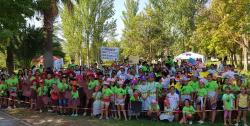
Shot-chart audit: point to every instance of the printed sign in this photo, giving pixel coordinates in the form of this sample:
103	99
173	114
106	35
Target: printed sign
109	53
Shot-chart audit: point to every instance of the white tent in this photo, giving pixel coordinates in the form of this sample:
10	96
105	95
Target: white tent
189	55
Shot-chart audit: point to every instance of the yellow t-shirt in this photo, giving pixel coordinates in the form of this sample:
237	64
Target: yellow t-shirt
243	101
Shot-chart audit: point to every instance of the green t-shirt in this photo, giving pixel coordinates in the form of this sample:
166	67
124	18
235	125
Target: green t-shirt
107	92
235	88
154	107
42	91
188	110
211	86
186	90
194	84
120	91
3	88
228	101
202	92
62	87
75	95
92	84
113	88
49	82
72	66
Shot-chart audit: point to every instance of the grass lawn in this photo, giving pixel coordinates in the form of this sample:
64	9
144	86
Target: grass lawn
50	119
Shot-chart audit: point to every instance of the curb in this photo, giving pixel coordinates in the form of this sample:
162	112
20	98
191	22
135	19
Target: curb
17	119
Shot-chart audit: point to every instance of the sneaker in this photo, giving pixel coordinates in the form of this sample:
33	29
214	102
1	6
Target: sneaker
236	124
84	114
107	118
40	111
72	114
100	117
76	115
245	124
190	122
9	107
200	122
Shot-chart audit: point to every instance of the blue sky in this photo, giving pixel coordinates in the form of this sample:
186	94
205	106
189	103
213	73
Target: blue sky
119	7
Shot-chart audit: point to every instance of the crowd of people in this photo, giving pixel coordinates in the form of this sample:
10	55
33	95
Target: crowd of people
183	92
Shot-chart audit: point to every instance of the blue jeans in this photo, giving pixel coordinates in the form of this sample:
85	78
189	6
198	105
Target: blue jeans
62	102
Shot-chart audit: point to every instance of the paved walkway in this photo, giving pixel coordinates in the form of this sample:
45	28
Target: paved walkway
7	120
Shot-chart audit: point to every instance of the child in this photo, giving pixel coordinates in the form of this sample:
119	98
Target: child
3	94
187	112
168	112
106	94
97	101
93	82
242	105
54	97
113	88
63	102
75	100
120	100
227	99
201	101
12	85
135	104
153	110
42	97
143	89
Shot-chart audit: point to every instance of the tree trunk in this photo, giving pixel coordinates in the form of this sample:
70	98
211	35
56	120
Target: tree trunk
235	60
49	17
241	59
245	53
10	60
231	58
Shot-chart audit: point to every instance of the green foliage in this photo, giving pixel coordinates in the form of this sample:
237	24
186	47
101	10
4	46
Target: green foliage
86	28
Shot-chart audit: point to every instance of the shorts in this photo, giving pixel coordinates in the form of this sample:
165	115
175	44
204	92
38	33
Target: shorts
105	103
119	102
62	102
243	109
213	106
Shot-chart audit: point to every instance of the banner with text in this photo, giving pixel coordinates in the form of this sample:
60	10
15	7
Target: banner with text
109	53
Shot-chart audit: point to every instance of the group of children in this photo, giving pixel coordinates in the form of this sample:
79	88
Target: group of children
123	94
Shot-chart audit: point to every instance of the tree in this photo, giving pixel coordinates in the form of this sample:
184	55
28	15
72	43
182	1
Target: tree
49	9
223	30
130	37
89	25
28	45
12	19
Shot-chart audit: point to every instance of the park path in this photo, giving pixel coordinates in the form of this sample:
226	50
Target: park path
8	120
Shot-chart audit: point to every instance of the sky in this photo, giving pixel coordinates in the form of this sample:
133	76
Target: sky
118	7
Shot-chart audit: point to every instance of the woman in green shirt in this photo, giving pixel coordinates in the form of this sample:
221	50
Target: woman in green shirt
106	94
201	101
212	90
120	99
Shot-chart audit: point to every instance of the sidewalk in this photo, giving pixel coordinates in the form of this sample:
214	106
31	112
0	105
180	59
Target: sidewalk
8	120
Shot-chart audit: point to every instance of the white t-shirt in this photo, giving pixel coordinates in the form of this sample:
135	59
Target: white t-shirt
173	100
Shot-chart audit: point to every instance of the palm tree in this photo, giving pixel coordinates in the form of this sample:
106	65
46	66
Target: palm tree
49	9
